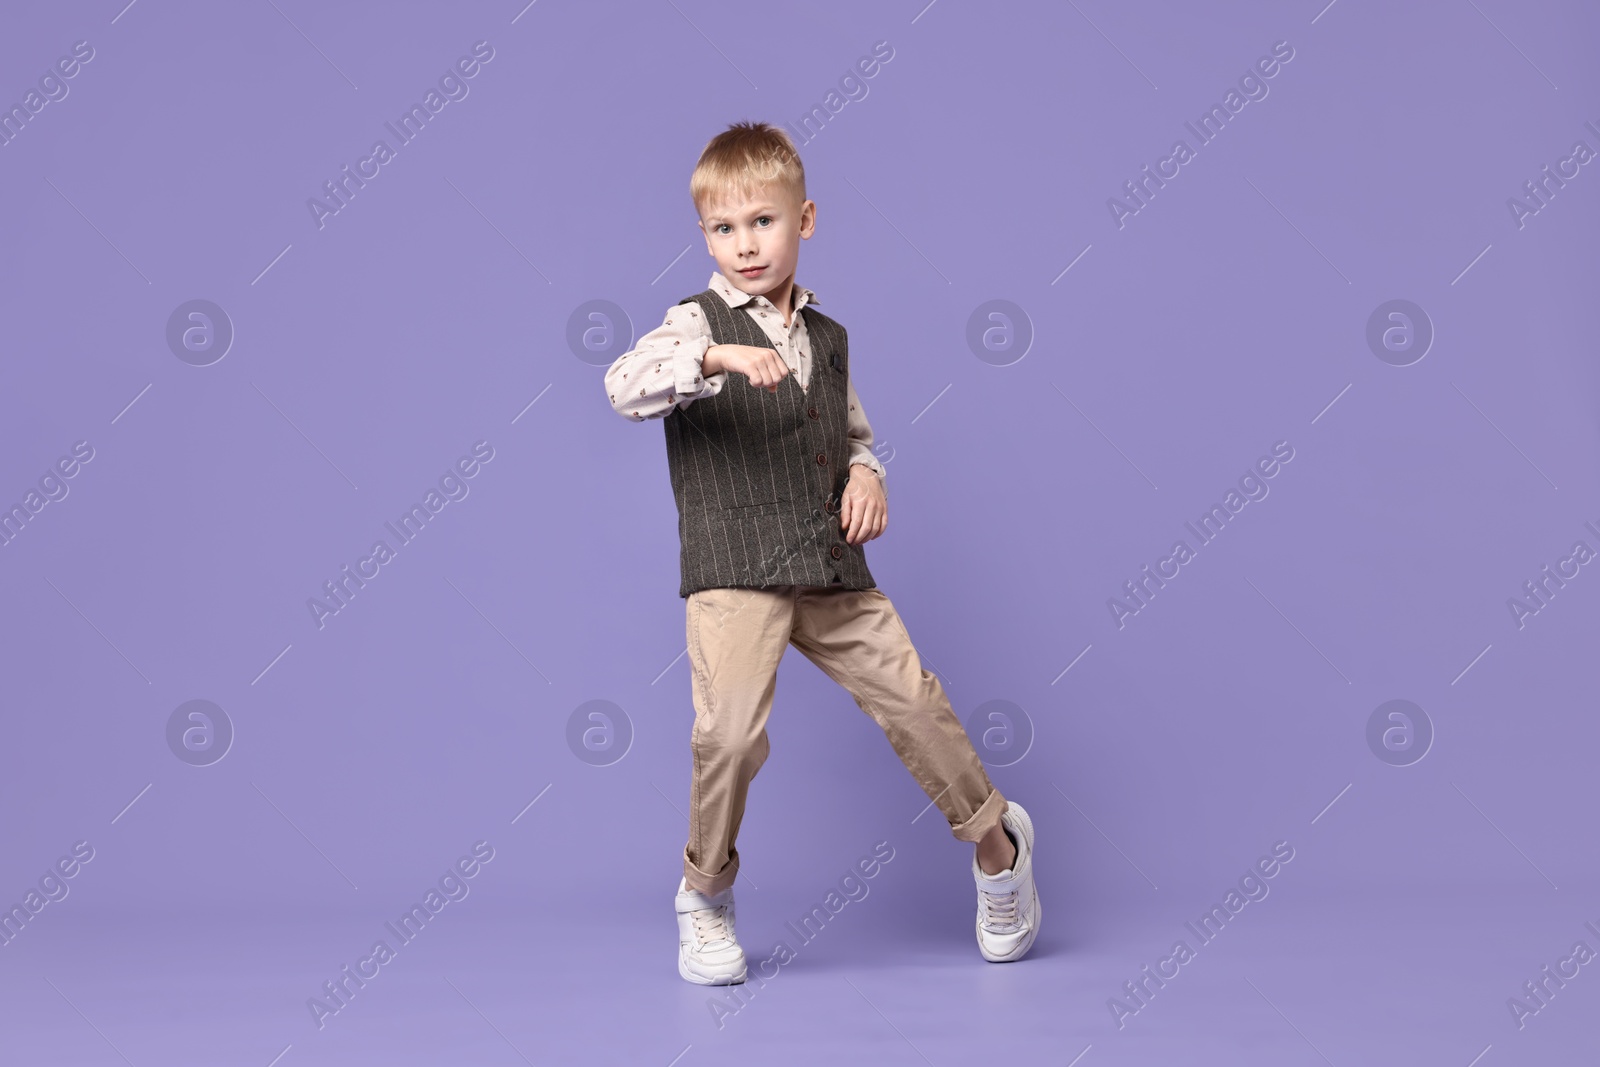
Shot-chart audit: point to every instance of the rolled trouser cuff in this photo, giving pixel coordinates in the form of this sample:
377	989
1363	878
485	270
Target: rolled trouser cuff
708	882
983	820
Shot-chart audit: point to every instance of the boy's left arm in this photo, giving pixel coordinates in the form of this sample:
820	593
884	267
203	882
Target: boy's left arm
864	512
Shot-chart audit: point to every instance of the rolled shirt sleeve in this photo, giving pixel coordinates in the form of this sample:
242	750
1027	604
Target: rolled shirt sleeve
663	372
860	432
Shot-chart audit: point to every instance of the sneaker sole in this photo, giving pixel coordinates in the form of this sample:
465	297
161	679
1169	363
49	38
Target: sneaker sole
700	979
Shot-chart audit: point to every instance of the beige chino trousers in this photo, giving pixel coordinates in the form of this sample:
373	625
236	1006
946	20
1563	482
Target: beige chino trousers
737	636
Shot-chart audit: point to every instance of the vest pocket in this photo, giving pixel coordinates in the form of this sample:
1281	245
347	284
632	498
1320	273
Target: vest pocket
748	511
764	540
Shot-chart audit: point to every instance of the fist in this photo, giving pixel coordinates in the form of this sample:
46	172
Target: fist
763	366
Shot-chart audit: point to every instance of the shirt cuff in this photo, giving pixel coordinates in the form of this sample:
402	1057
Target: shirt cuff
861	454
687	377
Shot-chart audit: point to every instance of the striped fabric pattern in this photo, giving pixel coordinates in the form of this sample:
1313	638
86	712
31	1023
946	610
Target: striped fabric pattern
758	476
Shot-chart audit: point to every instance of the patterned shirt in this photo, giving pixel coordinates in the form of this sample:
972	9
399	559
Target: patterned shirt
662	372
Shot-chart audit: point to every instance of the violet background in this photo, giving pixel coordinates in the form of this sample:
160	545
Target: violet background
434	311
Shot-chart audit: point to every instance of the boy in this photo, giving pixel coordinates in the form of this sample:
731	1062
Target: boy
777	489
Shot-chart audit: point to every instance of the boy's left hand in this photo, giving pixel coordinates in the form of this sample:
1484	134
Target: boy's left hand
864	511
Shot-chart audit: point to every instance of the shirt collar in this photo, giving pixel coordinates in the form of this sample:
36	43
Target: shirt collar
738	298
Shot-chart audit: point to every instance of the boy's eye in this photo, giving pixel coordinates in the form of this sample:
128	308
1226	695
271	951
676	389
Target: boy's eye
721	226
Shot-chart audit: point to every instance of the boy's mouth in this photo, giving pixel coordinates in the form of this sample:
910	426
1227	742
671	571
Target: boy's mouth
752	272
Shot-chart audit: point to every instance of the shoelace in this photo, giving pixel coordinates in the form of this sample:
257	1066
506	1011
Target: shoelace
999	909
711	924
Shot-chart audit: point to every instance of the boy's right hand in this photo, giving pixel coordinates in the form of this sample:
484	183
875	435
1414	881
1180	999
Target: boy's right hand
763	366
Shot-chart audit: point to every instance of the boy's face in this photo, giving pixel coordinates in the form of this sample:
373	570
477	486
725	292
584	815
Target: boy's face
763	231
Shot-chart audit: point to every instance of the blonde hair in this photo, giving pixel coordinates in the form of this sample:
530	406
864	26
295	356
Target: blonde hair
741	159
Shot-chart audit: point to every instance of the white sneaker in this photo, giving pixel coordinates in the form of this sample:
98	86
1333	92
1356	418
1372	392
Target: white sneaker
1008	903
708	951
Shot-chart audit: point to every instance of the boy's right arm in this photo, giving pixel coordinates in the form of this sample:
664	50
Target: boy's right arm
664	370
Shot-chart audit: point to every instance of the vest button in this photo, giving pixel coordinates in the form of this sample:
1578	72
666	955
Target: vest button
836	552
813	413
821	459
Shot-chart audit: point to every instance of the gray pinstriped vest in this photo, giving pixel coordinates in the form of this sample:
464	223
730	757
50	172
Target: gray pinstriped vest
758	476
